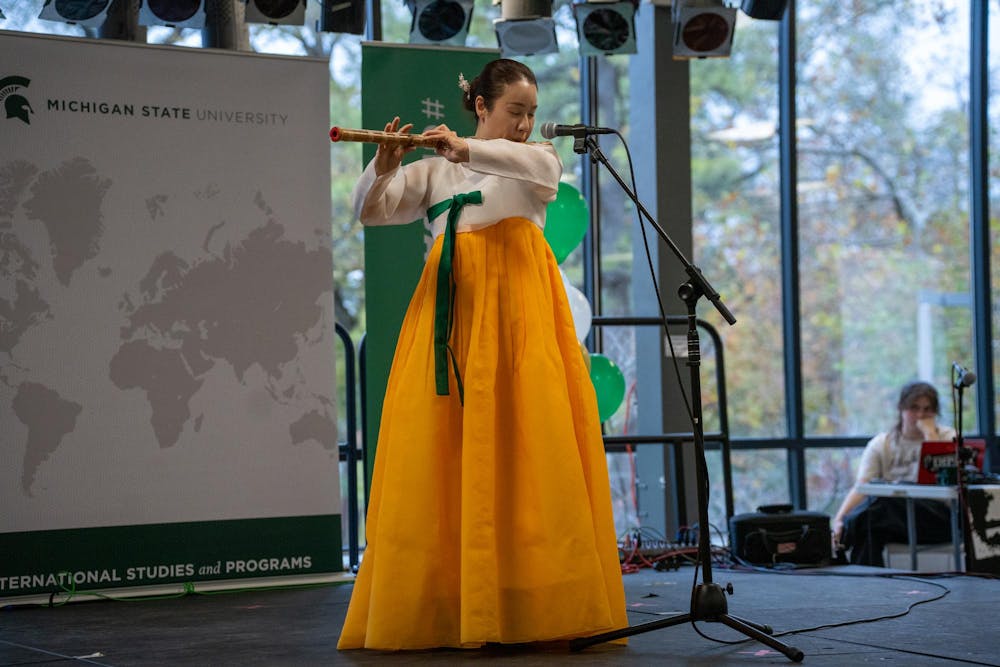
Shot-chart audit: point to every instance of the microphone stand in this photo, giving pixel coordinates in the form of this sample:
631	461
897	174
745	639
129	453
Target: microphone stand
963	456
708	599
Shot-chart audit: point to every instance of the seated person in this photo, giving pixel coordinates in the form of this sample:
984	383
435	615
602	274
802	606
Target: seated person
864	524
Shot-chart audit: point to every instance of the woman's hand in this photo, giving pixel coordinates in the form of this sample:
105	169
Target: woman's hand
837	532
450	146
928	427
388	157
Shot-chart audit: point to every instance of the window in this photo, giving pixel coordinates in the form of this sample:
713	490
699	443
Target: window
993	181
737	245
883	206
737	242
883	168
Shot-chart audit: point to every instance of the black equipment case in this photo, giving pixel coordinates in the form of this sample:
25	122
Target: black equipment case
779	534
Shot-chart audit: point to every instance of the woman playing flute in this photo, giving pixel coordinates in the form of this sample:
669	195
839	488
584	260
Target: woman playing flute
490	515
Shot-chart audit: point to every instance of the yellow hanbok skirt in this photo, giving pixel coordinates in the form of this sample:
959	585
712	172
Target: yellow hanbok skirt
489	521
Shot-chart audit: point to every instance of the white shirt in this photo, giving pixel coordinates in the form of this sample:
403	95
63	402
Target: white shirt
516	180
894	458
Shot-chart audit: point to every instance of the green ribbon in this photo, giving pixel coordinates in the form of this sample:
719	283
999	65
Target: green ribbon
444	304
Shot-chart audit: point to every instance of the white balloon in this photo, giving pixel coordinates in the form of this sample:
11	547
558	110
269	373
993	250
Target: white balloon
579	306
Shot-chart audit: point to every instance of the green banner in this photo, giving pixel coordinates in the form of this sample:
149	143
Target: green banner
81	559
420	85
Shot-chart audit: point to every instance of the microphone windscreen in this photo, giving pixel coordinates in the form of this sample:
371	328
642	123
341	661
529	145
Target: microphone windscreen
969	379
548	130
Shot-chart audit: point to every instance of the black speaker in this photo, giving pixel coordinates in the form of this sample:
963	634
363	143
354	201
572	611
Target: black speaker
779	534
771	10
346	16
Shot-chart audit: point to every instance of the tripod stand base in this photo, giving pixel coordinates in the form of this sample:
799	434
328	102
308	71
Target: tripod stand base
707	604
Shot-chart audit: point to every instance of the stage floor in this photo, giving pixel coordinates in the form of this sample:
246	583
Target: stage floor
836	616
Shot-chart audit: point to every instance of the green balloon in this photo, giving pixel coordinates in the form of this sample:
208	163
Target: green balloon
609	383
566	221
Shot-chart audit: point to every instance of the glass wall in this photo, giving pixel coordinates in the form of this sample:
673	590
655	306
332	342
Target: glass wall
993	182
882	104
611	239
883	201
830	474
737	245
883	205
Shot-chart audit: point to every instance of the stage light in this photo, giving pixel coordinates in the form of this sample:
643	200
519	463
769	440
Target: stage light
274	12
526	28
440	21
86	13
605	26
173	13
703	29
769	10
347	16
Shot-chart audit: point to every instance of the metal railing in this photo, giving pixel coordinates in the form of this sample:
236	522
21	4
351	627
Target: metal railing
352	453
348	450
720	438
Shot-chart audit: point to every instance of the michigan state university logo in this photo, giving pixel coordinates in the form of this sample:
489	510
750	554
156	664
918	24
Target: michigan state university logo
14	103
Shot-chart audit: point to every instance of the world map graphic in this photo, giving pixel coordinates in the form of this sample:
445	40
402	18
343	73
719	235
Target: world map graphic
244	307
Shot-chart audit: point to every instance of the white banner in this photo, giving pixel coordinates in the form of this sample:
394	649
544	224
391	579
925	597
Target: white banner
166	303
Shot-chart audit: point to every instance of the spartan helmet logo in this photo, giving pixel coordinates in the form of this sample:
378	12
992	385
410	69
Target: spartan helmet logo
15	104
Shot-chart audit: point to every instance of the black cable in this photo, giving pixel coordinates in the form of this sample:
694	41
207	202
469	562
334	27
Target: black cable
873	619
83	659
666	330
912	652
656	287
659	301
945	592
834	625
722	538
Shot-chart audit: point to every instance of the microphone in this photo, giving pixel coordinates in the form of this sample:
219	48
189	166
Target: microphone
550	130
963	378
